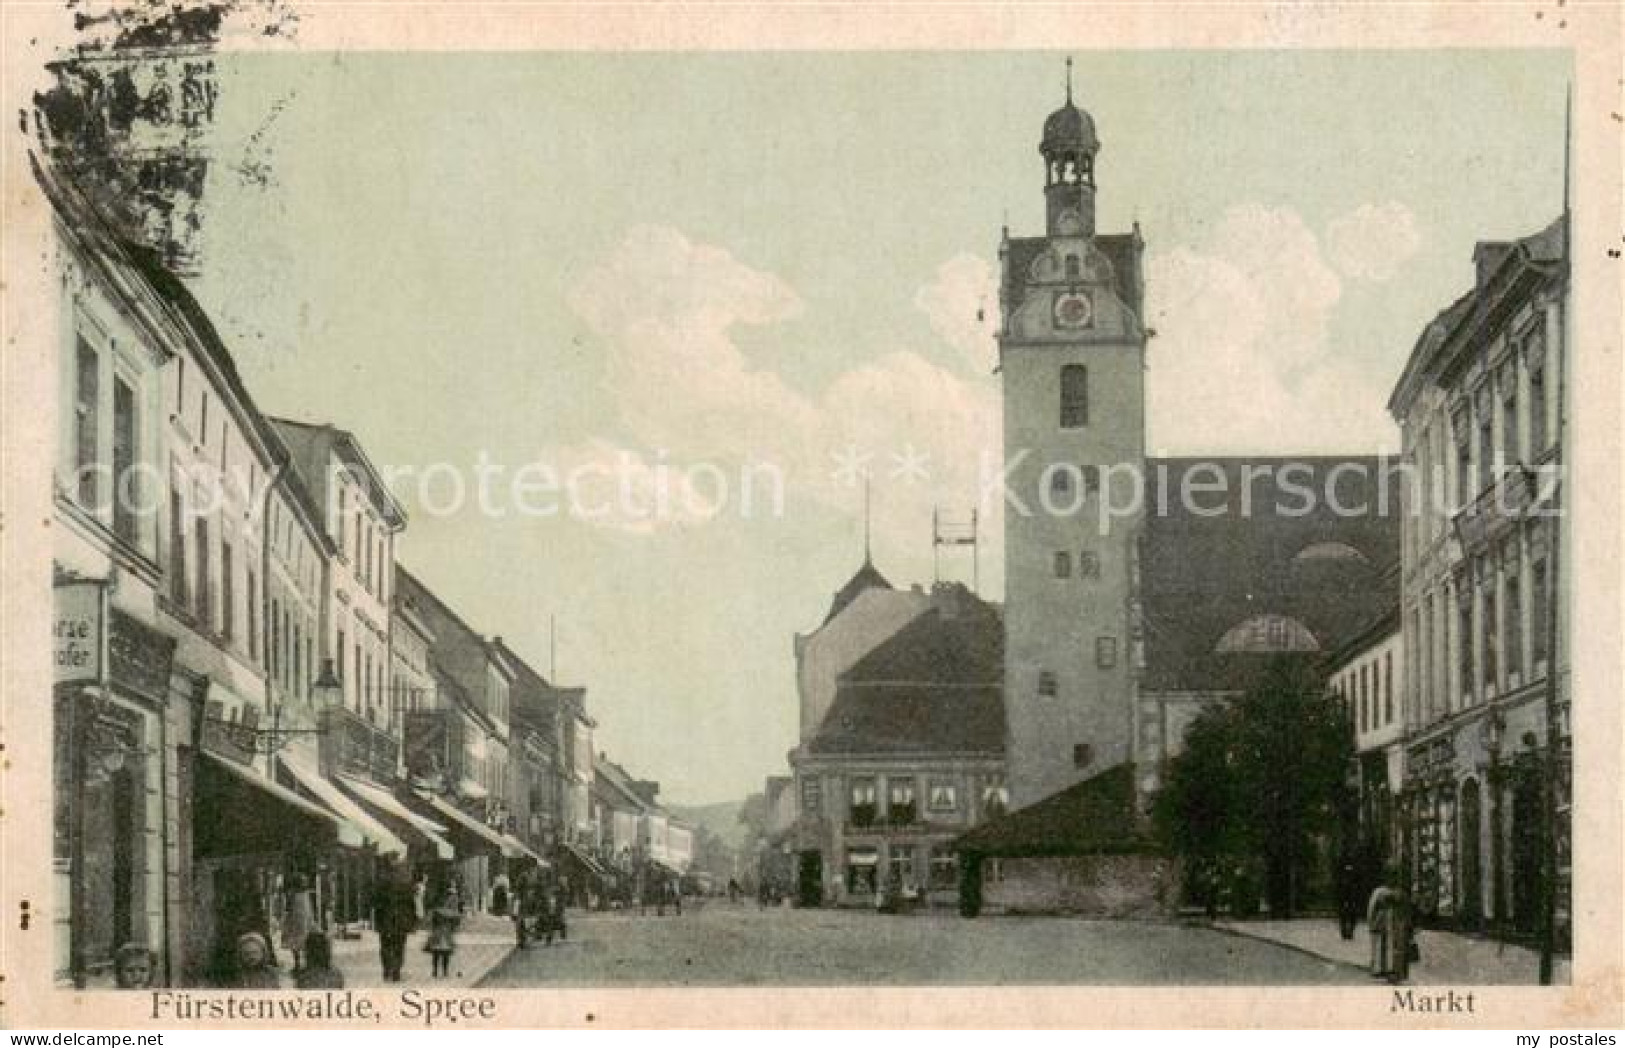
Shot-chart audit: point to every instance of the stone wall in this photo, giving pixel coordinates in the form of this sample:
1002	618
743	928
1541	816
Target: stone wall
1092	885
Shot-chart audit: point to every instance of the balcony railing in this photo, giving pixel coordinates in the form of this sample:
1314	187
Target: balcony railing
1508	499
434	744
357	747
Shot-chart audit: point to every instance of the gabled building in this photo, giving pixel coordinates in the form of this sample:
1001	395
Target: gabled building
864	612
909	755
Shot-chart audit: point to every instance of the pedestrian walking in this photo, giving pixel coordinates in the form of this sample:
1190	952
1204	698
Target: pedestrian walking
442	940
501	890
253	970
556	924
420	897
318	972
1378	916
298	917
394	917
1350	896
1401	935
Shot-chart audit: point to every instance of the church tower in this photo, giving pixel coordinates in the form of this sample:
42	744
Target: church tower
1072	362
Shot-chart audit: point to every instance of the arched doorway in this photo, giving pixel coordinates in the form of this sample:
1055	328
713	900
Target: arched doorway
1472	865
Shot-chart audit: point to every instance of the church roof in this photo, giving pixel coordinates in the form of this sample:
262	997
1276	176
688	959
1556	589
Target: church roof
866	577
935	687
1225	593
1092	817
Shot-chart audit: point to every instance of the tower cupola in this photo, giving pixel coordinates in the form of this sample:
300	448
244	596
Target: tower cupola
1068	147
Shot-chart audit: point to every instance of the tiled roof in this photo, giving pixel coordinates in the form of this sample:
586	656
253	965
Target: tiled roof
865	578
934	688
1092	817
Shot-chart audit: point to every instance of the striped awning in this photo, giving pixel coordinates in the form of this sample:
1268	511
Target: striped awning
309	778
382	800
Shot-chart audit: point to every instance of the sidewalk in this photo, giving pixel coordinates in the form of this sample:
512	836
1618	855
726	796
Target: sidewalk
1447	958
482	943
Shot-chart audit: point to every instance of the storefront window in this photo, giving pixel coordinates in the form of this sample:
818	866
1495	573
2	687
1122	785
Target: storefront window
861	864
944	868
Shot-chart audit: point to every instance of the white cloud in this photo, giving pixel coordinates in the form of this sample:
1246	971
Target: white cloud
1373	241
961	303
1242	361
665	309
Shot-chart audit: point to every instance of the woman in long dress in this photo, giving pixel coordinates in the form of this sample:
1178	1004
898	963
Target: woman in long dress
1400	934
1377	913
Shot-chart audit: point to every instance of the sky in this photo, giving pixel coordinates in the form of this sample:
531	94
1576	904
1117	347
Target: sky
702	270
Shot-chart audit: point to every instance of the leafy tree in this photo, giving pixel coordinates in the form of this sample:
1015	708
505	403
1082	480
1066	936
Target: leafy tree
1262	780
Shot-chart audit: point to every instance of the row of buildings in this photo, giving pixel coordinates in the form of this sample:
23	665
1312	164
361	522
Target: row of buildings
1460	689
1009	753
249	686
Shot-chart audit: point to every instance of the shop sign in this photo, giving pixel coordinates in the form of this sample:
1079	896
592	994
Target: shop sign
76	633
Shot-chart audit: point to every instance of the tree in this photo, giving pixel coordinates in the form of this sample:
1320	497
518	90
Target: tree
1262	780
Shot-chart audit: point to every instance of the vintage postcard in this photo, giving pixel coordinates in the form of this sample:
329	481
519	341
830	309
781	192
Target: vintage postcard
797	515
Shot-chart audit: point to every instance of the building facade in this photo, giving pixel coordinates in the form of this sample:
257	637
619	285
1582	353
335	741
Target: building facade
1480	407
361	519
908	756
1368	674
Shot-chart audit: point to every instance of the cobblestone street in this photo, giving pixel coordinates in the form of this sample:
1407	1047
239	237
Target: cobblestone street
723	944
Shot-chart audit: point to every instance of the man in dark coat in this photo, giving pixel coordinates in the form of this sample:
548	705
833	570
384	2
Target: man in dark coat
1351	896
394	917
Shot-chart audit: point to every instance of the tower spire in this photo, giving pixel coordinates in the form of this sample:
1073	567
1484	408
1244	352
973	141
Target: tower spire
867	558
1068	79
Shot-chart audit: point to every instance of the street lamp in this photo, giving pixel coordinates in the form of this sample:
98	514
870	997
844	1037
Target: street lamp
327	691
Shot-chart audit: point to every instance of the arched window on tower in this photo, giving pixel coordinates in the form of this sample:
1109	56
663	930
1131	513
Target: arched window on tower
1074	268
1074	396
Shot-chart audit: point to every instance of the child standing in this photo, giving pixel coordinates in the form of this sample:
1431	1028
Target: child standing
443	922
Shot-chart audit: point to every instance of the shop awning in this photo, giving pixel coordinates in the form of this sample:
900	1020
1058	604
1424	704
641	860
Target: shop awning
473	832
370	831
522	850
592	866
239	812
429	832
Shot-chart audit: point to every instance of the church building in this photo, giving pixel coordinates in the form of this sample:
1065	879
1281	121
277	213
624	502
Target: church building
1138	590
